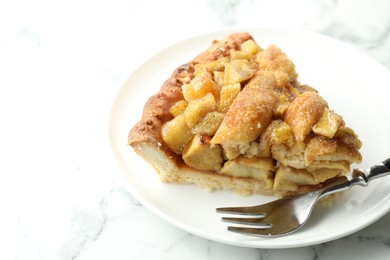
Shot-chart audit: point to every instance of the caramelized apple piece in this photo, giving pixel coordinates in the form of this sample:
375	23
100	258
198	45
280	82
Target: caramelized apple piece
250	46
176	133
198	108
208	124
199	87
328	124
238	71
178	108
289	179
228	94
258	168
200	155
282	134
218	77
283	104
217	65
241	54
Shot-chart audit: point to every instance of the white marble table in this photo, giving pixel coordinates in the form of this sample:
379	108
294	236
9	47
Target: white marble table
61	64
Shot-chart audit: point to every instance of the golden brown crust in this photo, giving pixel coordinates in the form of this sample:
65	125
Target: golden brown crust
221	48
325	149
270	96
304	112
273	59
247	117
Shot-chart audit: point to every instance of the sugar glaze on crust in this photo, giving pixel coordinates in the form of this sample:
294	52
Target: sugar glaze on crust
260	97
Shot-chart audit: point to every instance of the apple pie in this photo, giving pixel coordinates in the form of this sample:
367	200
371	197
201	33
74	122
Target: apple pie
237	118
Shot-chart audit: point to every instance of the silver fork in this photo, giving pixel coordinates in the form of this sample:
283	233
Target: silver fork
287	215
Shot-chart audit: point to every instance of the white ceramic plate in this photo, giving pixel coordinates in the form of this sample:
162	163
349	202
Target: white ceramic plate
354	85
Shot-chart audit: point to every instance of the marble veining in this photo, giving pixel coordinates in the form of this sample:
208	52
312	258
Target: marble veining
61	65
225	10
88	226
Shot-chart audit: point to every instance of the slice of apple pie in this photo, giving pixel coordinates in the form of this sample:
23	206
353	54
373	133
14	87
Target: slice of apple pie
237	118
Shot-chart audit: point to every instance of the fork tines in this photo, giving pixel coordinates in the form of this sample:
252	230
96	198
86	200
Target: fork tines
254	210
257	232
254	217
247	221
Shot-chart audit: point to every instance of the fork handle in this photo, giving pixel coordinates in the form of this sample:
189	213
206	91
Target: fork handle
387	163
360	177
378	171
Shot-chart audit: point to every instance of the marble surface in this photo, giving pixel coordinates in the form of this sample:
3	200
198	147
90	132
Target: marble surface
61	65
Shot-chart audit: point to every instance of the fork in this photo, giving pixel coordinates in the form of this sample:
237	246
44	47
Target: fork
284	216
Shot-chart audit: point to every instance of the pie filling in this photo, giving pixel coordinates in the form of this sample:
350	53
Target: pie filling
246	115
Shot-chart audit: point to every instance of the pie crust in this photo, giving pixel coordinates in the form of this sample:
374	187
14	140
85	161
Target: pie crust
265	134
